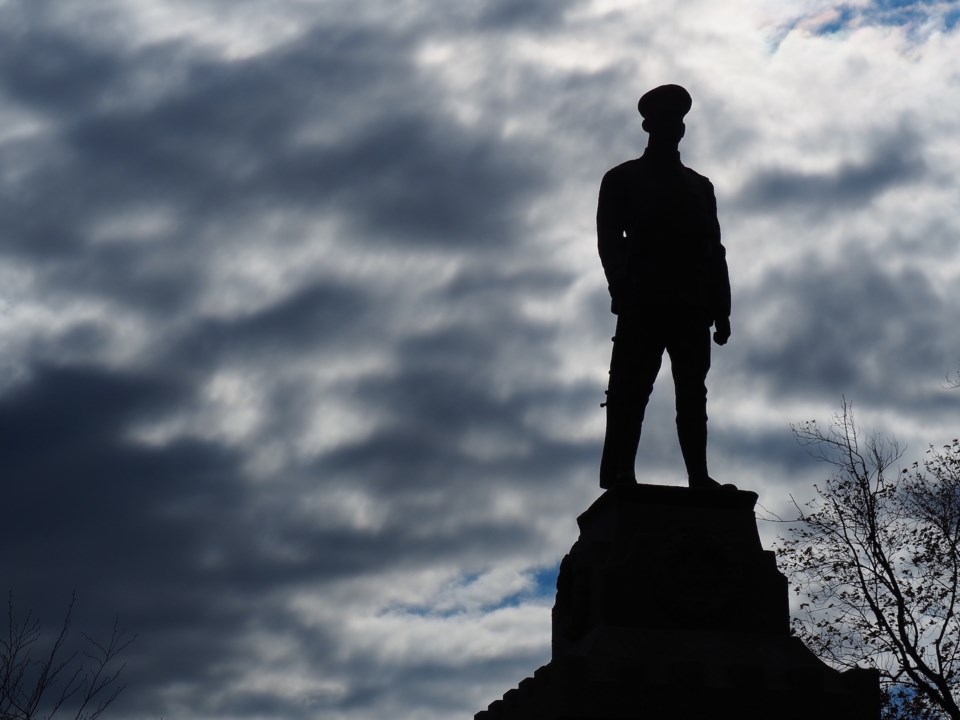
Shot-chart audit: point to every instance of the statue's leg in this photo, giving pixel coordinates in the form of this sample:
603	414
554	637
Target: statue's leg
635	362
689	349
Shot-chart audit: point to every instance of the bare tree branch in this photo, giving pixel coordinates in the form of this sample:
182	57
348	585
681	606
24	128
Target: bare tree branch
39	685
875	558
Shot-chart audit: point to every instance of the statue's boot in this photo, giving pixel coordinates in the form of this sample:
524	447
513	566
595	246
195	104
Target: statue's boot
620	442
693	447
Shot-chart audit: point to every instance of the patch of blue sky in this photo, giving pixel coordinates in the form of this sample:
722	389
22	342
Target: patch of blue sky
838	24
546	580
900	13
542	588
423	611
917	17
894	4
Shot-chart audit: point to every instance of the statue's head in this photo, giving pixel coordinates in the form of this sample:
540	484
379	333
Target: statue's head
663	109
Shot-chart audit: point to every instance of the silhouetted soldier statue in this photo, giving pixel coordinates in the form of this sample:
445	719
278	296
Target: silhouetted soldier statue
659	242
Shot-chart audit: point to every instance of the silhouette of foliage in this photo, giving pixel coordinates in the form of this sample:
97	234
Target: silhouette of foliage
875	558
39	683
904	702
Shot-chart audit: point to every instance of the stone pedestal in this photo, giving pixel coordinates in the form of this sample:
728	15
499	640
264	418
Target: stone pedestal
668	607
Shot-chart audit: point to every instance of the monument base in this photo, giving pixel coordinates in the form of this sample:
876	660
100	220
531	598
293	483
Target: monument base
668	607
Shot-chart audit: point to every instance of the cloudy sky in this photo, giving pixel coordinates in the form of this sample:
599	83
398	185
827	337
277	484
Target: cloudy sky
303	334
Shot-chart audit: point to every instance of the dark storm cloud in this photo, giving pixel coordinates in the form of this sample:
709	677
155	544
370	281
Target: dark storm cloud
221	139
113	521
182	547
322	315
442	391
445	420
381	460
434	685
65	429
65	77
150	280
535	15
773	449
422	180
892	162
849	328
235	139
74	409
228	141
502	285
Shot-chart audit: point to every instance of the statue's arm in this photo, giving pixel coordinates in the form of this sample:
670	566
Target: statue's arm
610	240
720	277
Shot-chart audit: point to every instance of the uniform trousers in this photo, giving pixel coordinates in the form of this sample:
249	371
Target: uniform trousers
638	347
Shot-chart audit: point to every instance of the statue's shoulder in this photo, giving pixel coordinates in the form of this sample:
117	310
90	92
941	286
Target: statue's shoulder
697	179
623	172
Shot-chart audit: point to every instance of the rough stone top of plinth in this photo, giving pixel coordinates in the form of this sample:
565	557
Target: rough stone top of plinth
672	496
671	506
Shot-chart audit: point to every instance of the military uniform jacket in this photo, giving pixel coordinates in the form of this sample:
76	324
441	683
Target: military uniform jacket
659	239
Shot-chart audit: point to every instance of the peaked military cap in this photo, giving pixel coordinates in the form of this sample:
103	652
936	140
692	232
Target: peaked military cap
667	102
